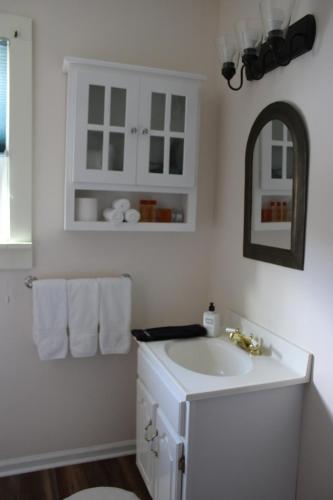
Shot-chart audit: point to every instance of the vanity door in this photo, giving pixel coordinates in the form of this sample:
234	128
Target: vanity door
168	130
106	126
145	434
168	449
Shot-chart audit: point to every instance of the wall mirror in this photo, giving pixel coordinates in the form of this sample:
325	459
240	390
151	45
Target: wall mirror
276	177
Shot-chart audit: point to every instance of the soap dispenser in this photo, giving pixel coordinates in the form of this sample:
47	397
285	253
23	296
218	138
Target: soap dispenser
211	321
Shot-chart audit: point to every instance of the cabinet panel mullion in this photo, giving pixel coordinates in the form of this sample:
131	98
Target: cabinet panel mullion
167	135
119	130
105	128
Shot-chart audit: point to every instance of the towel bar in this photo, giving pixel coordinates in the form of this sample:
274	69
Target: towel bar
28	280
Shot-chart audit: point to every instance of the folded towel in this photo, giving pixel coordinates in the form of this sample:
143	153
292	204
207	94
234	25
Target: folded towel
113	215
50	318
114	315
132	216
83	306
169	332
122	204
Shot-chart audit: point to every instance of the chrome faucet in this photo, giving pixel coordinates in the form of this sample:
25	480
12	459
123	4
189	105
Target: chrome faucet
249	343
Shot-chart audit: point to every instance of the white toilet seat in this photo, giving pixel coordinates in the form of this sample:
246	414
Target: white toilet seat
103	493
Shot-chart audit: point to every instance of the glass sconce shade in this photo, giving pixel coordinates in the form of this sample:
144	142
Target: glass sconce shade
276	15
227	47
250	34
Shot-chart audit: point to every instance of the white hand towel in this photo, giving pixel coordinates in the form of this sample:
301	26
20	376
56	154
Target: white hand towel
113	215
50	318
132	216
83	306
122	204
115	315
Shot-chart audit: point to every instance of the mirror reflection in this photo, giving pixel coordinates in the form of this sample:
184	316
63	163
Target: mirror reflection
272	186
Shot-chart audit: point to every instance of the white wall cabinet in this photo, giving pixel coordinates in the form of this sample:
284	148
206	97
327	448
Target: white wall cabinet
130	129
272	177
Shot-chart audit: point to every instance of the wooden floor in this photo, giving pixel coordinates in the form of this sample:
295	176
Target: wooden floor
57	484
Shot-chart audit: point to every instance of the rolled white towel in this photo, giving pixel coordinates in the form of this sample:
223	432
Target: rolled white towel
122	204
113	215
132	216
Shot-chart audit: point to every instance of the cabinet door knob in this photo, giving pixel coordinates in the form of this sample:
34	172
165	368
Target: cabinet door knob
145	131
151	438
148	425
134	130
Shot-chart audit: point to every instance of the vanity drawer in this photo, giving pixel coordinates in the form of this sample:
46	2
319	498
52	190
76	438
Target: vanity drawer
171	405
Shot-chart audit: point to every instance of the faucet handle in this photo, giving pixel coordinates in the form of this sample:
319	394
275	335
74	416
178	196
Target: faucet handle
256	344
234	335
231	330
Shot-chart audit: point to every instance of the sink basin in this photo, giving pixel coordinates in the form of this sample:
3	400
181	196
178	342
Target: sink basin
209	356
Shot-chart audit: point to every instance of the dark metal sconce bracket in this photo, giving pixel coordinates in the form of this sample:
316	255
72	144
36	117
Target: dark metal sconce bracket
299	40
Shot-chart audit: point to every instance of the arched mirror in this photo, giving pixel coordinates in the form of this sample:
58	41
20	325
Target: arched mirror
276	177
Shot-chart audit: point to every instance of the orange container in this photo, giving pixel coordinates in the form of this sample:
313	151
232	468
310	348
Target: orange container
148	210
163	215
266	215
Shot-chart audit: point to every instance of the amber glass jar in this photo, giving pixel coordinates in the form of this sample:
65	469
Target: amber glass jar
148	210
163	215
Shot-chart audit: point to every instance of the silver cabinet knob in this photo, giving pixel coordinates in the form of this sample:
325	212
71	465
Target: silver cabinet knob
145	131
134	130
149	439
149	424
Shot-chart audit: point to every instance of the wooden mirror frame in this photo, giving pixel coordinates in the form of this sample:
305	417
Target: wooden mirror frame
294	257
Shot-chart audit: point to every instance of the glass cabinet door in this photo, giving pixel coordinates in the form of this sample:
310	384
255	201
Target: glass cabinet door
106	137
276	157
166	154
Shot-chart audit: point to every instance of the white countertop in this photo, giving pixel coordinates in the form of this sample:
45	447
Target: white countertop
282	364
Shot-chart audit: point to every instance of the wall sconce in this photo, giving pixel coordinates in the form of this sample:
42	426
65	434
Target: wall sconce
267	45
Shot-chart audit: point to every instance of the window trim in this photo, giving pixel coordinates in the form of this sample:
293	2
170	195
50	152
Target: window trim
17	252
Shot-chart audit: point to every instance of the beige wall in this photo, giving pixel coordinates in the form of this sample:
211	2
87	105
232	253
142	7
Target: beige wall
66	404
295	304
48	406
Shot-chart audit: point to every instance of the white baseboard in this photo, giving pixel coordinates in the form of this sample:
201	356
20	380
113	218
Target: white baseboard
66	457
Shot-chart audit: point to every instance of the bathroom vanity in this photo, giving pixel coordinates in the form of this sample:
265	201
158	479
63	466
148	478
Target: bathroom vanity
214	422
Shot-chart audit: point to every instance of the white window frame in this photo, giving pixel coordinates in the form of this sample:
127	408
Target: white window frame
16	253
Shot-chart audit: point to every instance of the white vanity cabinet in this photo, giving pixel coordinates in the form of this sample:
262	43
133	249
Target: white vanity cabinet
130	130
219	438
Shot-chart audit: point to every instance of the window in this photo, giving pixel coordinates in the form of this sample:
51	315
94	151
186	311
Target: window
3	93
4	177
15	141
